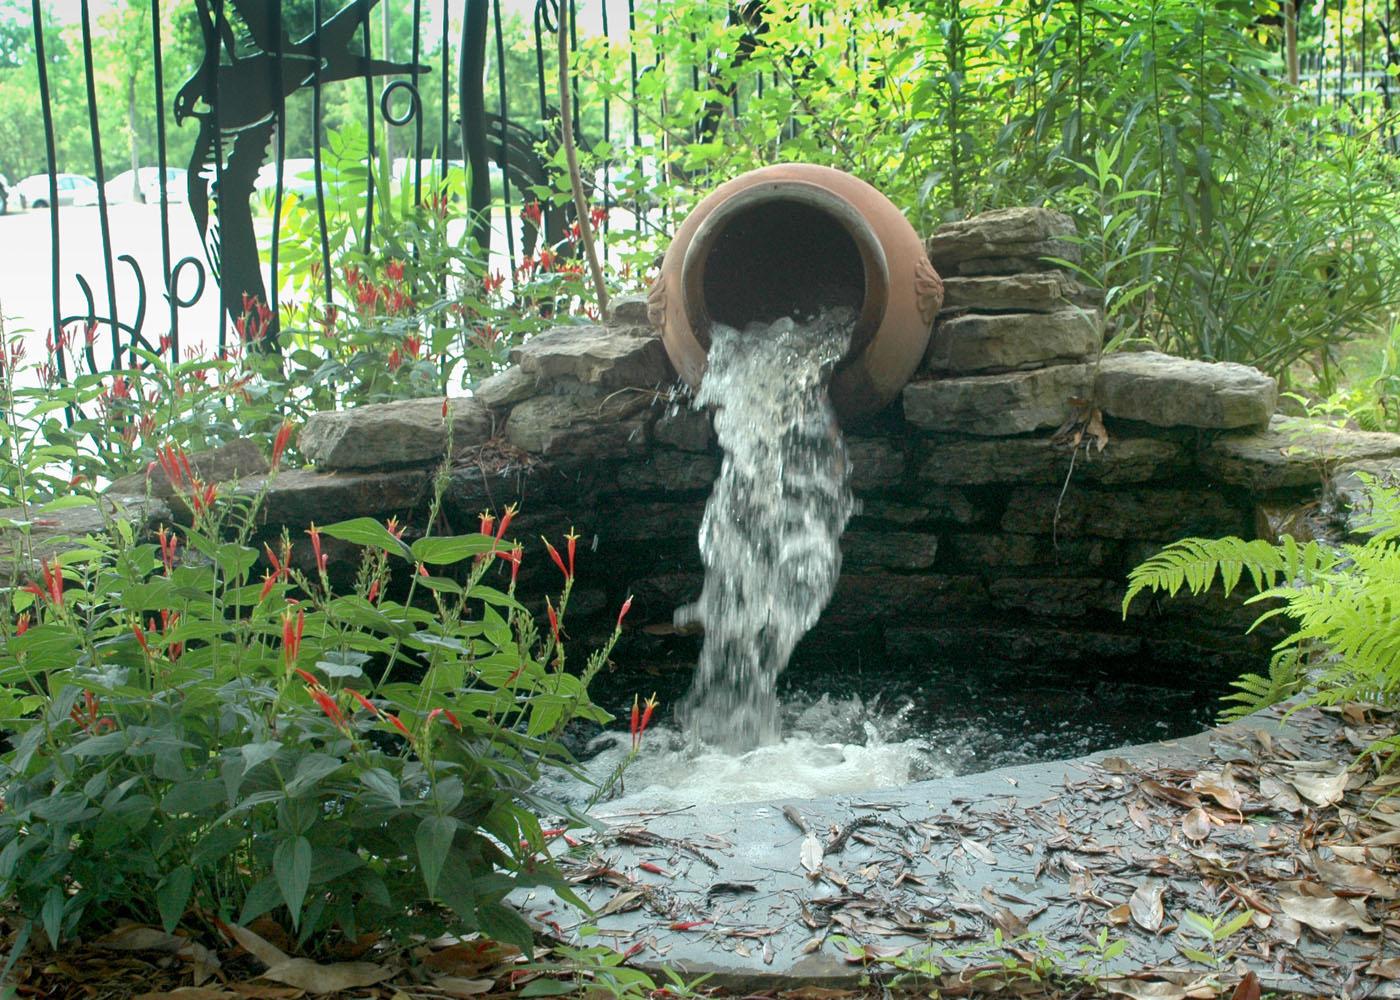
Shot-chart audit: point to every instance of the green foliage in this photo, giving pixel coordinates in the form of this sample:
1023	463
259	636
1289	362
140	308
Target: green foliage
1338	600
191	744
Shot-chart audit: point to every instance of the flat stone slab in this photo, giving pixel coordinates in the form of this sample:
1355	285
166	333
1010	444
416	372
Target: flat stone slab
975	342
996	405
628	310
608	357
1046	291
297	497
1002	242
1167	391
1039	460
778	894
53	532
506	388
579	426
1146	513
1292	452
392	435
224	464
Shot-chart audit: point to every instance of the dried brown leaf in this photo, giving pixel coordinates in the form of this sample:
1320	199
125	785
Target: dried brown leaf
457	986
1145	905
1329	914
1279	795
1321	789
1340	875
1247	989
979	851
1384	968
1196	824
313	977
189	993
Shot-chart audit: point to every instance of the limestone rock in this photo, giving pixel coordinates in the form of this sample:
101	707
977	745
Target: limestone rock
995	405
974	342
1167	391
1148	513
392	435
1002	553
54	532
1292	452
628	310
224	464
1056	597
896	550
1048	291
978	461
1002	242
876	463
506	388
608	357
579	427
684	427
670	472
299	496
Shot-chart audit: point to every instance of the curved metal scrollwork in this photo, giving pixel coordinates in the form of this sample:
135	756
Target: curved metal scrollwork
415	102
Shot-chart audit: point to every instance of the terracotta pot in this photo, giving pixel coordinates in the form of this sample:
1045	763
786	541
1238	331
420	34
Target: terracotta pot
786	240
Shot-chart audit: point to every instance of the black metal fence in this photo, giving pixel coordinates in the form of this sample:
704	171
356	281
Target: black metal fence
251	68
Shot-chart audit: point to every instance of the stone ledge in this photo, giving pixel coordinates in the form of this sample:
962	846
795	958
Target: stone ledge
996	405
1005	241
1292	453
1140	513
981	461
578	426
224	464
608	357
974	342
1168	391
1046	291
58	531
393	435
298	497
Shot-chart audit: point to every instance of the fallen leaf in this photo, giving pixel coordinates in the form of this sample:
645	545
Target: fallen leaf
816	993
1120	914
1340	875
1330	914
1384	968
979	851
1116	765
1168	793
189	993
313	977
1320	789
1248	988
1196	824
456	986
620	903
1145	905
266	953
1139	817
811	855
1227	795
1279	795
1159	990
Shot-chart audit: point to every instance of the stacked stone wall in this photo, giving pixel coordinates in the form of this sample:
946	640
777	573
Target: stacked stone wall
1003	498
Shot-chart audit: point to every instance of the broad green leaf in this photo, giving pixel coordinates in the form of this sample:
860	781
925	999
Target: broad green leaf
434	840
367	531
291	866
445	550
173	895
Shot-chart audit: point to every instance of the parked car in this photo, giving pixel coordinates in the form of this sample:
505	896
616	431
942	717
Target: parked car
298	177
73	189
119	188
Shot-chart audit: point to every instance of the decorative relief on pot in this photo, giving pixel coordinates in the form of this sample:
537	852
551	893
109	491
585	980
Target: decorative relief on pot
656	303
928	289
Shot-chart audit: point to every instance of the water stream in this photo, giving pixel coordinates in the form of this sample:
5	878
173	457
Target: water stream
770	538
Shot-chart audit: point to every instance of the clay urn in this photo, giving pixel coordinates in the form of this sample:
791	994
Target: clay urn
788	240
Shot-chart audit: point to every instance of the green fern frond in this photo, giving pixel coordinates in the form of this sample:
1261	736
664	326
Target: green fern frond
1196	563
1287	676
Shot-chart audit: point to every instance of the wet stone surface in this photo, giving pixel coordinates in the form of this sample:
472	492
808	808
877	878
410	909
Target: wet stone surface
1261	815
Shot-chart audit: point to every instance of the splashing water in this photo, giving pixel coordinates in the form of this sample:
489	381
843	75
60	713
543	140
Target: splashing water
770	538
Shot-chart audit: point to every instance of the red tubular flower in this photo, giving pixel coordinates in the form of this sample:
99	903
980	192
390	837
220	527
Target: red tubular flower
291	634
310	678
141	637
487	522
168	620
506	518
573	538
397	723
373	595
554	554
394	269
168	544
279	443
422	570
394	528
89	717
446	715
365	703
53	582
279	566
22	624
444	408
315	534
513	557
321	697
641	718
553	619
632	723
532	213
626	607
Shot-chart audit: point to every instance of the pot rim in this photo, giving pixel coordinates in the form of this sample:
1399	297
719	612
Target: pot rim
872	254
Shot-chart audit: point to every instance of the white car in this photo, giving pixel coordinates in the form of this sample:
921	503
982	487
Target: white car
73	189
298	177
147	186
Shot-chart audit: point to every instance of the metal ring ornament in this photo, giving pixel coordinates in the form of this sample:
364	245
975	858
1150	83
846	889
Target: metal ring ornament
173	290
415	102
543	16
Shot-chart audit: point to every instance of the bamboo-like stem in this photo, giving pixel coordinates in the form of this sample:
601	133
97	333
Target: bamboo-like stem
566	130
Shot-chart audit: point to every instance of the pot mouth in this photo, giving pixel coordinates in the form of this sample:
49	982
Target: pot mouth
784	248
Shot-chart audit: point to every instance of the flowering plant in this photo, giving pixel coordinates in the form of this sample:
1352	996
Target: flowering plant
193	743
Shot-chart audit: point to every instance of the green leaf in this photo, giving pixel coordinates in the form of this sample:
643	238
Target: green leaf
51	916
173	895
260	899
434	840
343	663
291	865
383	784
310	770
192	797
500	922
367	531
443	551
548	988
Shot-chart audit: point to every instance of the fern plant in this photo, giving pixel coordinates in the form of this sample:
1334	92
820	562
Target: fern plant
1342	602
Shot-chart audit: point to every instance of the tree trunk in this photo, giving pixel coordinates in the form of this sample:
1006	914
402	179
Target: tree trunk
1290	40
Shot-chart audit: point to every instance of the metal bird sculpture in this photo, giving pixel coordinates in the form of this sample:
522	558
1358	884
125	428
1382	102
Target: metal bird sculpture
236	102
